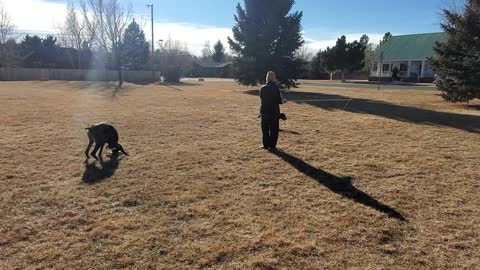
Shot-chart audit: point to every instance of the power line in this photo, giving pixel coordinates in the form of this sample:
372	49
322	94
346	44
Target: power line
39	33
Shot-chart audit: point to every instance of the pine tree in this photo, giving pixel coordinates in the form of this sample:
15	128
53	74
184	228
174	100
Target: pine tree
316	65
340	55
135	49
347	56
457	63
218	52
265	38
356	54
385	38
328	61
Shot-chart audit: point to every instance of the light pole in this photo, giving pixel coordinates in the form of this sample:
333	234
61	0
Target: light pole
153	44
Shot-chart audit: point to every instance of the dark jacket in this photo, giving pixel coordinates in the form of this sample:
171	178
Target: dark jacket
271	99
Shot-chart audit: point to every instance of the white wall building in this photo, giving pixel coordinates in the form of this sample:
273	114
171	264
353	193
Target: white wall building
409	54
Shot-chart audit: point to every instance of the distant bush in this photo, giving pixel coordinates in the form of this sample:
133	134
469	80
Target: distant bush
172	75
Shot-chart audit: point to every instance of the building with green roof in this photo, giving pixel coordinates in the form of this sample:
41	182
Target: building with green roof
409	55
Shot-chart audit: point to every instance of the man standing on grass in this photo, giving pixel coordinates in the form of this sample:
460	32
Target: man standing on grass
270	111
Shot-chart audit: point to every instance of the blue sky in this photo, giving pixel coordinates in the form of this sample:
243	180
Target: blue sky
408	16
198	21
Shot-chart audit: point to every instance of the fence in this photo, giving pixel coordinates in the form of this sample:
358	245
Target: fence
42	74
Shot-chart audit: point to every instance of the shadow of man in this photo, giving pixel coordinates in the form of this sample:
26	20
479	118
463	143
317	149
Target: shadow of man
94	174
339	185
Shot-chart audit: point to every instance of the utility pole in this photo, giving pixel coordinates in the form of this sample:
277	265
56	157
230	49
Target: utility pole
102	40
153	44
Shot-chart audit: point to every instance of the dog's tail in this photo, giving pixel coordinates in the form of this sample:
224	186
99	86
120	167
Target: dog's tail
119	146
88	128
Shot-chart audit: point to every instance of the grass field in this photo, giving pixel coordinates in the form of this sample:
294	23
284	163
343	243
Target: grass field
389	180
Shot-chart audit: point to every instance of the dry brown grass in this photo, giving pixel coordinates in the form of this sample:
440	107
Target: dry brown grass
389	182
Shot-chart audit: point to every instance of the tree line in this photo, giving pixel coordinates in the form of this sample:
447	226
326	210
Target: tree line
266	36
98	34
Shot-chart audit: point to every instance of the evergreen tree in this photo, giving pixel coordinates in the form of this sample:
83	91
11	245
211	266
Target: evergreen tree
329	62
135	48
340	55
265	37
218	52
385	39
356	54
324	62
39	52
316	65
347	56
457	63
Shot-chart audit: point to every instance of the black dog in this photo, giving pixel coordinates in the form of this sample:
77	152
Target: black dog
102	134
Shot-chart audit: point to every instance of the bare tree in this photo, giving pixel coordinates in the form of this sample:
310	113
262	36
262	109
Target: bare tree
74	33
173	58
106	20
206	51
305	53
7	27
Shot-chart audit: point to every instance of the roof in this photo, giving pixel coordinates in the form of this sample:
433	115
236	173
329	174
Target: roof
410	47
209	63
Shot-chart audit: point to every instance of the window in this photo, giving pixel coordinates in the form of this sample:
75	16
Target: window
375	66
403	67
386	67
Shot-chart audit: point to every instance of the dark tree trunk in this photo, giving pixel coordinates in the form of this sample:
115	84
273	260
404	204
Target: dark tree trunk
120	78
118	65
79	54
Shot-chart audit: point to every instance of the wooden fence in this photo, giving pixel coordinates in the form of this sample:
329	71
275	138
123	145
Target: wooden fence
42	74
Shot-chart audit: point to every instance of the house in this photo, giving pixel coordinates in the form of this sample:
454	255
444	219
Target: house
210	68
409	55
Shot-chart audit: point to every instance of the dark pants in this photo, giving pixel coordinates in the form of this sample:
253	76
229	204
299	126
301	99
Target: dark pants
270	128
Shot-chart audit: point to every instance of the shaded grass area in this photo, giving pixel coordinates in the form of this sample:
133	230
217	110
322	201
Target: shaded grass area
100	170
397	112
388	182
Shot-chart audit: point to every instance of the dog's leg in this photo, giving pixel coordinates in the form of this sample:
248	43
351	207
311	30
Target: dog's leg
94	151
100	153
90	143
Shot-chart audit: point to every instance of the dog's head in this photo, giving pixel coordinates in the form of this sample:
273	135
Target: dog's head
283	116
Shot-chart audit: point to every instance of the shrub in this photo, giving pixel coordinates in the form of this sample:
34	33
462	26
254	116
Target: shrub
173	75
